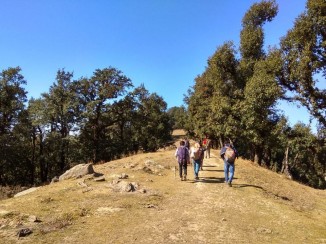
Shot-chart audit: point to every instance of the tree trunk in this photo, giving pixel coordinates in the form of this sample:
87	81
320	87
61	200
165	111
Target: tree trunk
221	142
285	164
33	163
43	168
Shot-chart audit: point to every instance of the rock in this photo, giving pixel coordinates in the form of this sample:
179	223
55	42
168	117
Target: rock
33	218
24	232
129	165
146	169
123	186
135	186
87	189
101	178
264	230
26	191
77	171
123	176
82	183
150	206
4	212
55	179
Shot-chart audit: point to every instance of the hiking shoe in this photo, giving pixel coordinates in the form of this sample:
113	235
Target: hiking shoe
185	178
181	178
229	184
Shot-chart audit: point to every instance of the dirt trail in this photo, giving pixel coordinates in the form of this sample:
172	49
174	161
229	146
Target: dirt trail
209	211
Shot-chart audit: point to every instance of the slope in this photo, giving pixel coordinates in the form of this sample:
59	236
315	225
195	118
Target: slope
261	207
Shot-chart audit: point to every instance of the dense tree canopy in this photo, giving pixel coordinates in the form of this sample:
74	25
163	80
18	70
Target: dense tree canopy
90	119
303	51
235	97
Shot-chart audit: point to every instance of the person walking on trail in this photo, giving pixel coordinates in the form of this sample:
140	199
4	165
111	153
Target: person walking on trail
197	157
207	144
203	150
187	144
182	154
229	154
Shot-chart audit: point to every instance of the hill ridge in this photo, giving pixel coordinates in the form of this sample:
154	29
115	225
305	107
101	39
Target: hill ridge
261	207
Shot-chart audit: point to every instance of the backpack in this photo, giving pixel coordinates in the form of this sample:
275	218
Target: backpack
197	153
187	144
229	155
182	155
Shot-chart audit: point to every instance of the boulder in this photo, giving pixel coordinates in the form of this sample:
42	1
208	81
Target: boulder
78	171
123	186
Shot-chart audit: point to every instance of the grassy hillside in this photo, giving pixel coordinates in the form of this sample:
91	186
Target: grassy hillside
261	207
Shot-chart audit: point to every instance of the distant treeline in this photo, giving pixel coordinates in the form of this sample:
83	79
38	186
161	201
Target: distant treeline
235	97
101	118
94	119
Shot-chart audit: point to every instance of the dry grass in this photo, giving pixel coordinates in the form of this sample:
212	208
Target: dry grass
261	207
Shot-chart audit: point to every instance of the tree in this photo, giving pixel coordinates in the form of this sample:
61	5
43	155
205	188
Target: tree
37	109
215	93
252	35
96	96
14	165
178	117
62	116
152	129
12	98
259	115
227	92
304	62
258	79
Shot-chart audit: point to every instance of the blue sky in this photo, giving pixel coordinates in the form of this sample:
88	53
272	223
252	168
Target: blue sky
163	44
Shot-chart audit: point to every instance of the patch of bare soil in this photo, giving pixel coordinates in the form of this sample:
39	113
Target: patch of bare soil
152	205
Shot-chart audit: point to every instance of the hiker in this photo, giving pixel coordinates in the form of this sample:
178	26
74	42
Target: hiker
187	144
203	150
182	154
208	145
197	156
229	154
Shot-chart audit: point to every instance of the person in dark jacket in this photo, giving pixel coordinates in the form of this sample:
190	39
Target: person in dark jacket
182	154
229	154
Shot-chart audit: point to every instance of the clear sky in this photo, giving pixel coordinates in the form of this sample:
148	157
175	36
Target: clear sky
163	44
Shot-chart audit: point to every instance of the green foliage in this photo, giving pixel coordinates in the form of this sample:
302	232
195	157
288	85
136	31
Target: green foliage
259	13
236	99
306	164
152	128
178	117
12	98
96	96
75	122
216	93
12	109
303	52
